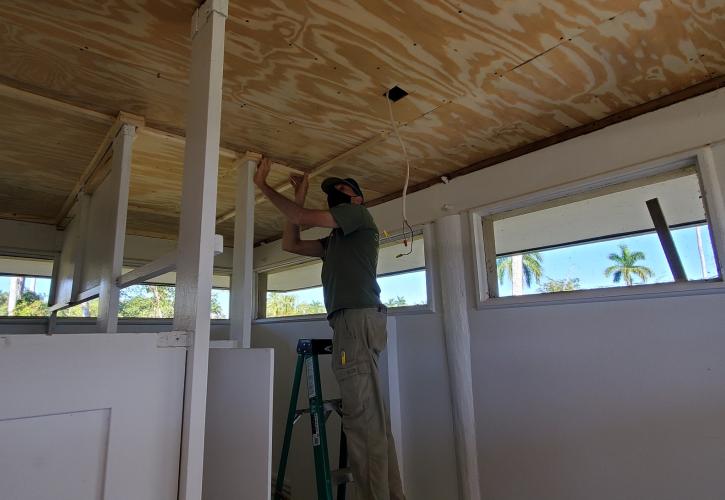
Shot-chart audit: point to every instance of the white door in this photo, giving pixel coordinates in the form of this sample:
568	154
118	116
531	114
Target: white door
87	417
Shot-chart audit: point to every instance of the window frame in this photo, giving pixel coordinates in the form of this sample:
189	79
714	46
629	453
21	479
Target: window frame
430	282
484	254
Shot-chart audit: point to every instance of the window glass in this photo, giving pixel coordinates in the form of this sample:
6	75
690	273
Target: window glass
604	239
28	280
296	290
24	286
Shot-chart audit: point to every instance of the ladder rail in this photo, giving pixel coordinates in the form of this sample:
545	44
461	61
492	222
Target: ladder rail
319	409
288	428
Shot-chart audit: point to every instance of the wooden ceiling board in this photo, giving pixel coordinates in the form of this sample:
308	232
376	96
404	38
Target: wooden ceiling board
586	79
705	24
304	82
44	152
156	183
151	35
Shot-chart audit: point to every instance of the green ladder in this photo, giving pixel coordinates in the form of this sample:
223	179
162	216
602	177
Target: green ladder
307	352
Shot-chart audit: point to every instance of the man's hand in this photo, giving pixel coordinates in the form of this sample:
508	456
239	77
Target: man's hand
260	176
300	184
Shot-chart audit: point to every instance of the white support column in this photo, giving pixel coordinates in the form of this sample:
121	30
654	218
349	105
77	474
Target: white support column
458	350
80	235
240	302
192	310
118	181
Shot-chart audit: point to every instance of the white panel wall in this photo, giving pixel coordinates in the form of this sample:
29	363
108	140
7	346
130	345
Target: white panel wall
237	445
601	401
89	416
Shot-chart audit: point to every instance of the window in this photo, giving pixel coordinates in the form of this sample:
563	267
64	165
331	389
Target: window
28	282
24	286
296	289
601	239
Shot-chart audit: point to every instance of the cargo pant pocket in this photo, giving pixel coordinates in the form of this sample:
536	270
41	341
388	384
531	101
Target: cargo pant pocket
354	382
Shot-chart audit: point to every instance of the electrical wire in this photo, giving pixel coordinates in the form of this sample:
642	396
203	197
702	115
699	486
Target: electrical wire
407	177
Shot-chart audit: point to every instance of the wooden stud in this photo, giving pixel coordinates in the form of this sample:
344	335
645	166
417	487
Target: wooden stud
101	152
117	202
84	208
192	310
240	302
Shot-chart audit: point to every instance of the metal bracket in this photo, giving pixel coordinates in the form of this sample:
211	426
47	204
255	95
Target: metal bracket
201	15
174	339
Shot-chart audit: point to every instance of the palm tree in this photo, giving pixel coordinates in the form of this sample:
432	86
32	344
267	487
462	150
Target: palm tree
626	267
521	268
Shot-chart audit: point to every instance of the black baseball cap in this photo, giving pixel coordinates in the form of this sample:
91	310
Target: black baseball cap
330	183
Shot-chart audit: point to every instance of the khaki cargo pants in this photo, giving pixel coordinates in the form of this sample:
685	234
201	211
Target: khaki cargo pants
360	336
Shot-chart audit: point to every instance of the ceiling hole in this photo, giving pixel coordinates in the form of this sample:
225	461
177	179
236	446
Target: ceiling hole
395	94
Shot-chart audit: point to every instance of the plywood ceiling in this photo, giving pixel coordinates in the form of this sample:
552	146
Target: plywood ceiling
303	82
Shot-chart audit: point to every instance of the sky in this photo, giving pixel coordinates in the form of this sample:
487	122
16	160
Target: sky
586	262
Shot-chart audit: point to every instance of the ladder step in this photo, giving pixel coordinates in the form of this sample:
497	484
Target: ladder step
329	405
342	476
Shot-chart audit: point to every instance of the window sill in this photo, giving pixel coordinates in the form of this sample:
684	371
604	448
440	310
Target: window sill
396	311
637	292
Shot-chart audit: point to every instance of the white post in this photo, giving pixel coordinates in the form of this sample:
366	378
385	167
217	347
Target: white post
111	267
240	302
192	309
458	350
13	294
517	274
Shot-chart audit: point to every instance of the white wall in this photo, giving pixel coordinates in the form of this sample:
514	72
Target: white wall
600	400
428	456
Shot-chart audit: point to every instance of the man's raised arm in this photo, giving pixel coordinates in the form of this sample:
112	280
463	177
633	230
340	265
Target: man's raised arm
291	241
294	213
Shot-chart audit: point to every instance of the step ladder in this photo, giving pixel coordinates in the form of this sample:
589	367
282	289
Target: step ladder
308	351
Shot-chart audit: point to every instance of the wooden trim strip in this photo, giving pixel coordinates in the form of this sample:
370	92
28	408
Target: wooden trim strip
103	149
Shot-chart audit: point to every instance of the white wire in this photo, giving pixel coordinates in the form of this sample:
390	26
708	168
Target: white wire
407	160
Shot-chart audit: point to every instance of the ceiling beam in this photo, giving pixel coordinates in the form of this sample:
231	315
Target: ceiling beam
101	152
318	169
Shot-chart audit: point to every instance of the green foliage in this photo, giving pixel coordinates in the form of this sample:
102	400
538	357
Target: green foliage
562	285
397	301
626	266
87	309
280	305
532	268
147	301
3	303
30	304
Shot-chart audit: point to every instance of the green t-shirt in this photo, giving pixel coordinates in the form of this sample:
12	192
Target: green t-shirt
350	260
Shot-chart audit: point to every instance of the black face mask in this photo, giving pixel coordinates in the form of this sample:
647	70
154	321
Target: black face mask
335	198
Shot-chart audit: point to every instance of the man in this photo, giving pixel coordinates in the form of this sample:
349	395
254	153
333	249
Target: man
357	318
